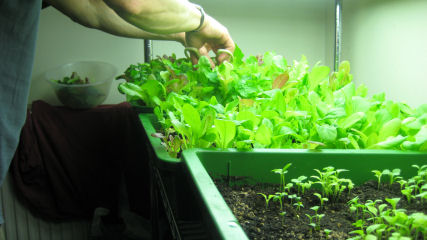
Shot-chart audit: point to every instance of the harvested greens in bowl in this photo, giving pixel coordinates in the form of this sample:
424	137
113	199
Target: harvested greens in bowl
82	85
73	79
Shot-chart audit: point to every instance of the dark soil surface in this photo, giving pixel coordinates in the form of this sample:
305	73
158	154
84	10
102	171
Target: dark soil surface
261	223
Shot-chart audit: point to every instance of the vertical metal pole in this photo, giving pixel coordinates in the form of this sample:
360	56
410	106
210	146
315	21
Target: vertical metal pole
338	33
148	50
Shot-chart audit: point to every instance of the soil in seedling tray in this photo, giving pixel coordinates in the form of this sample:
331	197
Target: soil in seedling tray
260	222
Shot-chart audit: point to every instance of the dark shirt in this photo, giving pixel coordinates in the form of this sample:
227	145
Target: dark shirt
18	32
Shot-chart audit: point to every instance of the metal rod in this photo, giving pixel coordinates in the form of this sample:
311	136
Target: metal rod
148	50
338	33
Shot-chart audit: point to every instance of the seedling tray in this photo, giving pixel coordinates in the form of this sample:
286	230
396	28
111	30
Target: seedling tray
255	167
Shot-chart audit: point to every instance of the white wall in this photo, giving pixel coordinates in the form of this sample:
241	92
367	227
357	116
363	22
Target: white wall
386	44
288	27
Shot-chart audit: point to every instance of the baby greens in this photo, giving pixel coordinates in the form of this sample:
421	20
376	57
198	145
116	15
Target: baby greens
267	102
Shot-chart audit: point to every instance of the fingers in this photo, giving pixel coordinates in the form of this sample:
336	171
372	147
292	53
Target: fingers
224	56
213	36
195	53
204	51
194	58
225	43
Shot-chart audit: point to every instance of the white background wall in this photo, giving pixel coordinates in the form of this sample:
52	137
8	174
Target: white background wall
384	40
386	44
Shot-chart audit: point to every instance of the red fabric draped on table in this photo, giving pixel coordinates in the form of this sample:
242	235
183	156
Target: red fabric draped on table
70	162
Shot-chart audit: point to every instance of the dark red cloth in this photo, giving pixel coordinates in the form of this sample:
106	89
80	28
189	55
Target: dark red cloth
70	162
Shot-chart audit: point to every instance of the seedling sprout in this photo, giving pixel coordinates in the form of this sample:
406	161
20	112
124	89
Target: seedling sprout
321	199
267	198
327	232
282	173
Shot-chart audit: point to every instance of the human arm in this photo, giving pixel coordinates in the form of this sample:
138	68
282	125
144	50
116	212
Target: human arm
172	16
96	14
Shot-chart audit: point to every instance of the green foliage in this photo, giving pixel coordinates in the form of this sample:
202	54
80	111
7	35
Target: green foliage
301	185
321	199
392	224
73	79
267	198
282	214
279	197
327	232
282	172
298	205
332	185
266	102
393	175
378	220
373	219
378	175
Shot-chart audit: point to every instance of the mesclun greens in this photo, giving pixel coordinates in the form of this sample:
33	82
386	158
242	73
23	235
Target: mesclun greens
73	79
266	102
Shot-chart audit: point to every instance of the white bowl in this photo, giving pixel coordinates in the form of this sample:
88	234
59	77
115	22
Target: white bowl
82	96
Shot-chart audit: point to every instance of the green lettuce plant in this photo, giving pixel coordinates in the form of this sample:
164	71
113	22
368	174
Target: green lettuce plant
268	102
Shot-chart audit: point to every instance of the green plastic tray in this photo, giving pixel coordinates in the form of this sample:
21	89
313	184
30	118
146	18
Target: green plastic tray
255	166
250	167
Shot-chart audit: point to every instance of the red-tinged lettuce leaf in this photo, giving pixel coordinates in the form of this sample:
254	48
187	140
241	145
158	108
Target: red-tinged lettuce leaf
280	80
179	126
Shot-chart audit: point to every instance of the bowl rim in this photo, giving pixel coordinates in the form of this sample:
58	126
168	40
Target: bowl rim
51	81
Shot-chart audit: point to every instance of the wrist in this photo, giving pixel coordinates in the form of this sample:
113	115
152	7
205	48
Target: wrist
202	18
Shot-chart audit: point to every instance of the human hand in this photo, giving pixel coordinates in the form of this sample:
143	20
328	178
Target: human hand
178	37
212	36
